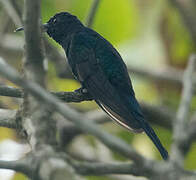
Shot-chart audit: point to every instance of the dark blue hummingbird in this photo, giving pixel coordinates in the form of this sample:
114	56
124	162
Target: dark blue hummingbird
99	68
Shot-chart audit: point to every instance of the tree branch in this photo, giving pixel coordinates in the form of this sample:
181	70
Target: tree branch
191	134
18	165
192	127
93	168
41	139
64	96
112	142
152	170
10	91
8	118
34	69
103	168
157	115
181	123
169	75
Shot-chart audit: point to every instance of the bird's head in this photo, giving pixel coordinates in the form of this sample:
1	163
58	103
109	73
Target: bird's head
60	26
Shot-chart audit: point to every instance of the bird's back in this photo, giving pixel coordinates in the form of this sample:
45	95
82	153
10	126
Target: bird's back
112	64
113	89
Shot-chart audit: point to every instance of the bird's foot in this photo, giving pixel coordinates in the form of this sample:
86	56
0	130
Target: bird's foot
84	92
81	90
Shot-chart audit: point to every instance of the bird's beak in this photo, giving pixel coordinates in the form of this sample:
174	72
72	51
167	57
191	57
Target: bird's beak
44	28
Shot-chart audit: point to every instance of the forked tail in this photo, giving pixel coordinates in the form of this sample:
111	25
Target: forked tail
150	132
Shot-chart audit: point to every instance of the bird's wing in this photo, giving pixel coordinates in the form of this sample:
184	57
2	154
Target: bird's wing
121	105
90	73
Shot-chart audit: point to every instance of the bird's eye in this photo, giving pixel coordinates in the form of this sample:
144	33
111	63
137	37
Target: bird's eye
54	21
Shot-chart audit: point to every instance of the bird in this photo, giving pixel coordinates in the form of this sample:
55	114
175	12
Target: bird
100	69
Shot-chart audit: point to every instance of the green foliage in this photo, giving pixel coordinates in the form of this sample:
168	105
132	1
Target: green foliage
119	17
6	133
181	44
48	9
125	135
165	136
146	91
193	105
80	9
190	160
117	20
58	84
98	178
19	176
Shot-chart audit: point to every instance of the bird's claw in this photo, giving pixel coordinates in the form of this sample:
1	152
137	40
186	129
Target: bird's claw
84	92
81	90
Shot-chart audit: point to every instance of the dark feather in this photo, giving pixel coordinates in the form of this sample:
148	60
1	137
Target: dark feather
100	69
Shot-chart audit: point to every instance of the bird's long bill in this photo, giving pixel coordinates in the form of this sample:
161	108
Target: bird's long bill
44	28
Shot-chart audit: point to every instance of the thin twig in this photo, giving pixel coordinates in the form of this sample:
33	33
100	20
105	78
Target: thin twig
91	16
12	12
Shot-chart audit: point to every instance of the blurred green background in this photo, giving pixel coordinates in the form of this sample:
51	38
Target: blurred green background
149	34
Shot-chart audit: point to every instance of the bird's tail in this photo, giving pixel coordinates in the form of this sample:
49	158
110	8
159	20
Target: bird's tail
137	114
150	132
